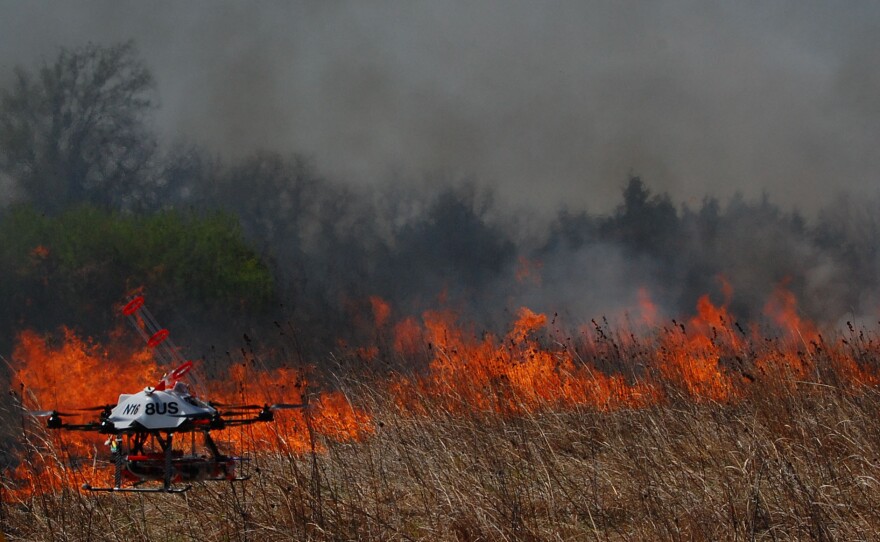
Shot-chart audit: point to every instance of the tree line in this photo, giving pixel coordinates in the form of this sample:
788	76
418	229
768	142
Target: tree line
96	207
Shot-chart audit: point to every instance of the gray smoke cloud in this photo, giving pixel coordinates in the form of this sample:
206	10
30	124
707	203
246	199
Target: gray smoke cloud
551	103
390	149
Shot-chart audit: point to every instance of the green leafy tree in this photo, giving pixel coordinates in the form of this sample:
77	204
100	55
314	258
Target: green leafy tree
73	268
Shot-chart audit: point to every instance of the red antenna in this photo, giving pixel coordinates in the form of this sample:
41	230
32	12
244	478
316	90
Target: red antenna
156	336
158	339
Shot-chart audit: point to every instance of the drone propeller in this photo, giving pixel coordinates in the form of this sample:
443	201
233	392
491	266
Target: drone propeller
54	421
98	408
217	404
237	413
44	413
276	406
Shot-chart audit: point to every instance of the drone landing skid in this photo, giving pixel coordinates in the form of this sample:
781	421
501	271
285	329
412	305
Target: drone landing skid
183	489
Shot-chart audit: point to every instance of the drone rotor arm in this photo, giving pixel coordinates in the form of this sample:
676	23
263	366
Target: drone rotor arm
239	422
82	427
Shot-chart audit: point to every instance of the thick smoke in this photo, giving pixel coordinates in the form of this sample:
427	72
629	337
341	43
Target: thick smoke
483	157
450	246
550	104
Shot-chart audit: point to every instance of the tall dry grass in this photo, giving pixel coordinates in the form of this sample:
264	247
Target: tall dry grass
789	459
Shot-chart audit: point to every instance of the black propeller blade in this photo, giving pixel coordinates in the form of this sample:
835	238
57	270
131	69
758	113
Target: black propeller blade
44	413
217	404
54	421
276	406
236	413
98	408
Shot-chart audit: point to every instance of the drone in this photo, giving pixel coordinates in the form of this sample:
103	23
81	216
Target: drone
142	427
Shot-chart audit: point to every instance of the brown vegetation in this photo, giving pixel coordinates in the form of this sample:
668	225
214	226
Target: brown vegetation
791	453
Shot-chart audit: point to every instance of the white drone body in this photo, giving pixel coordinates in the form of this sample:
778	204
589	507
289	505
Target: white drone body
138	422
153	409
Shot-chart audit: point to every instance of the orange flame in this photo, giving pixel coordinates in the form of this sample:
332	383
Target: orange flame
708	358
514	375
782	309
76	373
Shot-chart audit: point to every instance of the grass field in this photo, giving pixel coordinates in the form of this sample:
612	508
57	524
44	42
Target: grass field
685	434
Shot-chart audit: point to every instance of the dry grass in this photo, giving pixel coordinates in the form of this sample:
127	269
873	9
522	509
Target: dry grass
800	463
785	458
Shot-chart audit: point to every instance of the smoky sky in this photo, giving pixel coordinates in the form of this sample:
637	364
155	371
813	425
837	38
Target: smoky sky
553	104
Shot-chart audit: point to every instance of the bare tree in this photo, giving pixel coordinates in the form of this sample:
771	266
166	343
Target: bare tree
76	131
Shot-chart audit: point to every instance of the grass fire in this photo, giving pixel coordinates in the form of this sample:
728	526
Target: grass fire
705	428
506	271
